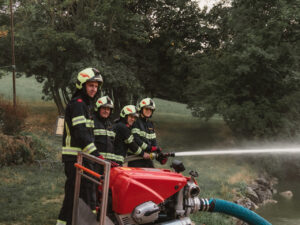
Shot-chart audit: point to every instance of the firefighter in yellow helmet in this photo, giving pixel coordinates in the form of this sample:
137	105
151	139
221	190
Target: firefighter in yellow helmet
78	136
104	135
124	139
144	134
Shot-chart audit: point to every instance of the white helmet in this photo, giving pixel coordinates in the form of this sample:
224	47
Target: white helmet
129	110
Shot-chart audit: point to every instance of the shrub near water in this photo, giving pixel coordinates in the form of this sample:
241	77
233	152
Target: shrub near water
12	119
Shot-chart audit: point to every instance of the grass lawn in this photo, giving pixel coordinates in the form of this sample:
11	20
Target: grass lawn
33	195
27	89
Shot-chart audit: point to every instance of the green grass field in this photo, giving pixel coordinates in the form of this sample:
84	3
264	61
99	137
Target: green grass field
27	89
33	195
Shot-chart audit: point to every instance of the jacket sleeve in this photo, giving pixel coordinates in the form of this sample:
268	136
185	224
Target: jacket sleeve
136	132
130	142
153	141
81	127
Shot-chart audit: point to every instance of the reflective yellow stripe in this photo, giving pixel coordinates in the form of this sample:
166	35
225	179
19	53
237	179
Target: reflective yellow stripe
148	136
78	120
68	137
138	151
129	140
111	133
89	148
90	123
135	131
143	133
99	132
119	158
104	132
70	150
112	156
144	146
60	222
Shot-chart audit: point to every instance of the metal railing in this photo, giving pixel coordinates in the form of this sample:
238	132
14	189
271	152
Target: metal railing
100	180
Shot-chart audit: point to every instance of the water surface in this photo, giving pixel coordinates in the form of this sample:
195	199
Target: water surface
285	212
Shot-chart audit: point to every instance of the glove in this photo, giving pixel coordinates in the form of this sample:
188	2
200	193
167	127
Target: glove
114	164
156	149
101	157
162	159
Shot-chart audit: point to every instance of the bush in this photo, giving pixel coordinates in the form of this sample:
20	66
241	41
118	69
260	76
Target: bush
12	120
16	150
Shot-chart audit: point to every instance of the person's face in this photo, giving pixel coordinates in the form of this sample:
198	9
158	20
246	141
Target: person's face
105	112
91	88
130	119
147	112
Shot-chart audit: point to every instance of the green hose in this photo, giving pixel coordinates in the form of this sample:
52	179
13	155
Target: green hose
232	209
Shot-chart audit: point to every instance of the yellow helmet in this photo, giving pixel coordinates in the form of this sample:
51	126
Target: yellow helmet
88	74
104	101
129	110
148	103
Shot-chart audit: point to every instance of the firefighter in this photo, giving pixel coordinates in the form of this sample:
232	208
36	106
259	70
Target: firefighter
144	134
124	140
78	137
104	135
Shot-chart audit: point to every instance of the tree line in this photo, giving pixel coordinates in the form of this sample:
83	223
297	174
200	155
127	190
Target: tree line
239	60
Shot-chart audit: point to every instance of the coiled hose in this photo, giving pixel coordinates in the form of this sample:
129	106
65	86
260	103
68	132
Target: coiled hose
232	209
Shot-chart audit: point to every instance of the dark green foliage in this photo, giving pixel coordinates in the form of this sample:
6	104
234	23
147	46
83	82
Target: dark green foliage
5	41
239	61
139	47
252	77
55	40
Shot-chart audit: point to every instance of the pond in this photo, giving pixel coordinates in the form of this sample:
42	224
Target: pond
192	135
286	211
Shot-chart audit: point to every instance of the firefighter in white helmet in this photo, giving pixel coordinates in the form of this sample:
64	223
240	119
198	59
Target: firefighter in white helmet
104	135
124	140
144	134
78	136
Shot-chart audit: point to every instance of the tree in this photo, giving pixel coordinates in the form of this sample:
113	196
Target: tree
175	33
48	48
5	40
56	39
254	73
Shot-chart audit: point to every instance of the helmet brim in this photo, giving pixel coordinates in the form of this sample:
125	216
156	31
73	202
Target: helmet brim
134	114
149	107
97	78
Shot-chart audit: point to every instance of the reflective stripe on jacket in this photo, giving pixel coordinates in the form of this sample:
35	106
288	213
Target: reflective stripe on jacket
78	130
124	141
144	133
104	138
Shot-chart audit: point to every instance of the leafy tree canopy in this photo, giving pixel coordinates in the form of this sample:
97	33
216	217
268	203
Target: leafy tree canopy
252	77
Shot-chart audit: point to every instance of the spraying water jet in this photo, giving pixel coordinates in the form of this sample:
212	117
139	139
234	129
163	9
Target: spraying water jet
239	152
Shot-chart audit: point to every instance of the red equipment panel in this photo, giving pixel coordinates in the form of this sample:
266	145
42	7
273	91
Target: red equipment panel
133	186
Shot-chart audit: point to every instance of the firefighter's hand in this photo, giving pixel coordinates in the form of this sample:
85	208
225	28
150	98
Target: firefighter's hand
156	149
162	159
101	157
146	155
114	164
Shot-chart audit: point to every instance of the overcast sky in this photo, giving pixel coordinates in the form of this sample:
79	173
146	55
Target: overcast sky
208	3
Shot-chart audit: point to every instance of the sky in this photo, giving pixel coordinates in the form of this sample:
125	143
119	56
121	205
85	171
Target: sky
208	3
